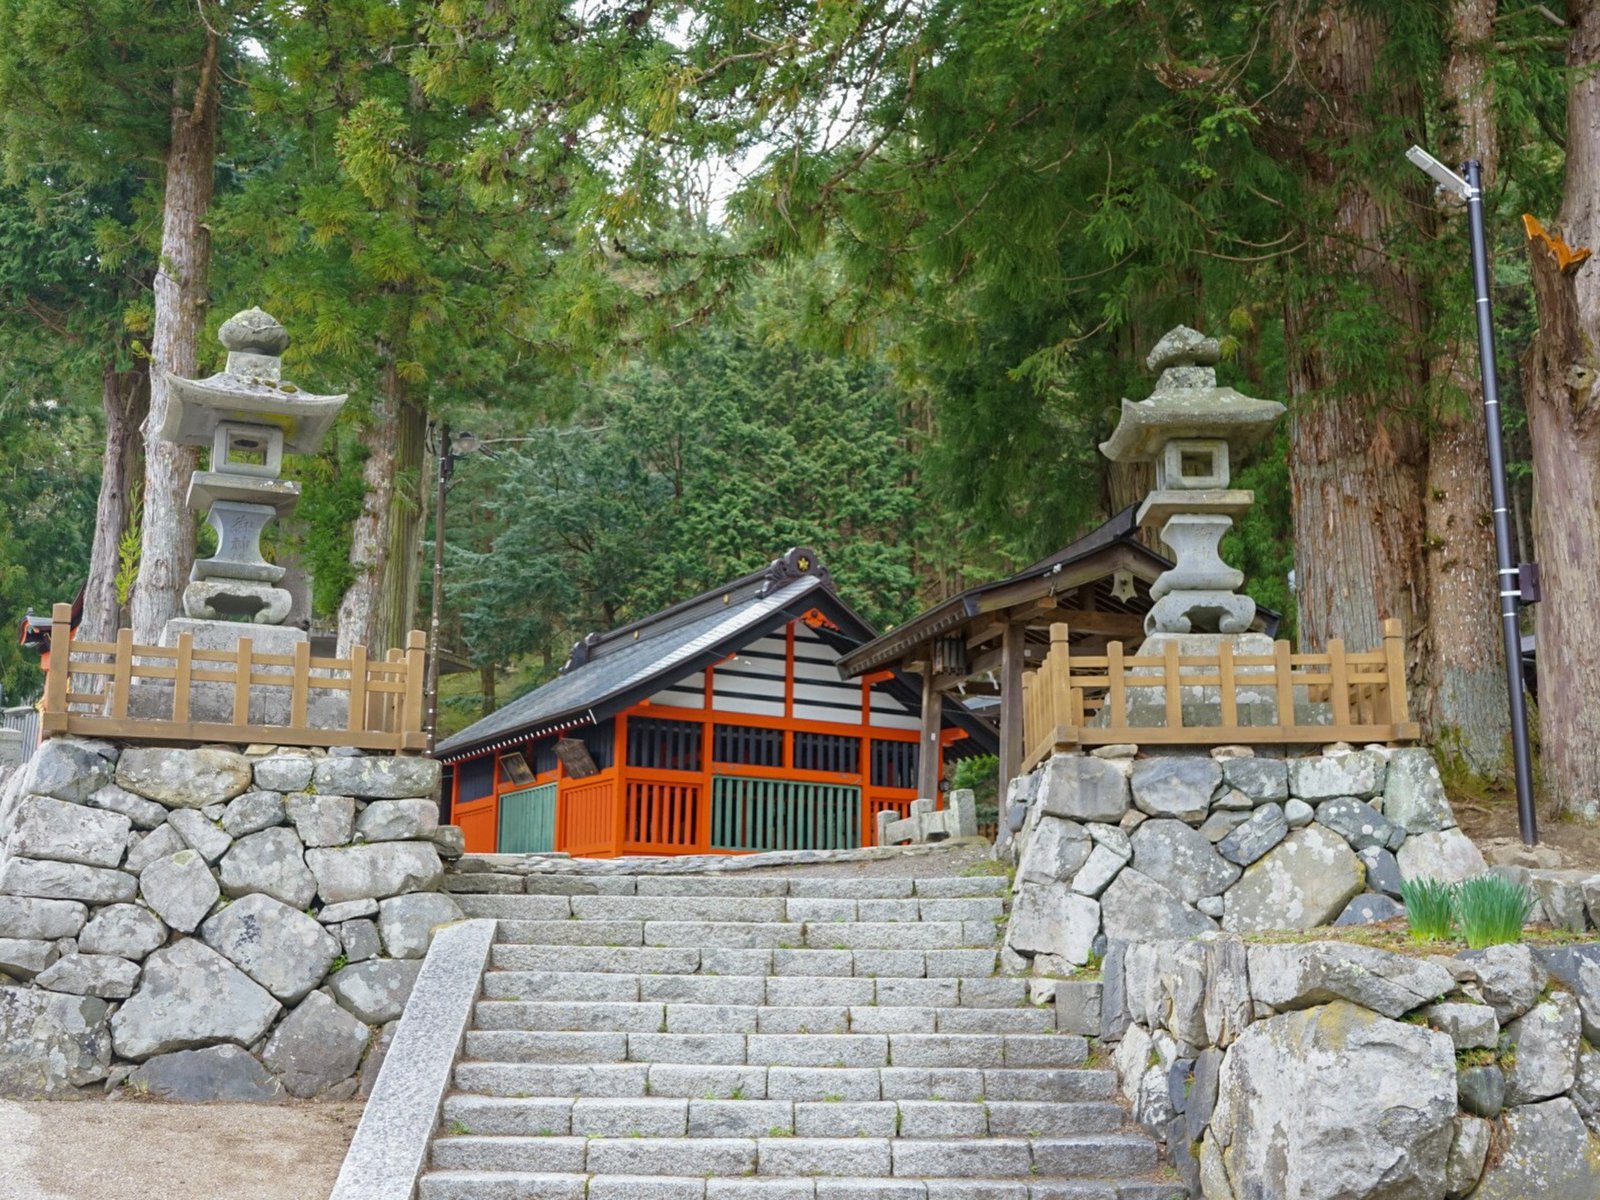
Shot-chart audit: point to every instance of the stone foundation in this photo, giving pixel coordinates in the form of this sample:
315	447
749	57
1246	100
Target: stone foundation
205	923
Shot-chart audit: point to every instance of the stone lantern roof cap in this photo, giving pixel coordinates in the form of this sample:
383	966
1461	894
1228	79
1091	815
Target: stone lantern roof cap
249	391
1187	403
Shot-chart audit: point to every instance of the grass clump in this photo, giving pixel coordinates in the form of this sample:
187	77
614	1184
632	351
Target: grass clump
1430	908
1491	910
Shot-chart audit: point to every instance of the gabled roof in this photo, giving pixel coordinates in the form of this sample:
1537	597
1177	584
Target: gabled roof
611	671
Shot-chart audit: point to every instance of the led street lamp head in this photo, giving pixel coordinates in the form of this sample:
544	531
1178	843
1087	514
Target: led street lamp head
1442	175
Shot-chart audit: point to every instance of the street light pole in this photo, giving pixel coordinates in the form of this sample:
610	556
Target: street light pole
446	465
1508	577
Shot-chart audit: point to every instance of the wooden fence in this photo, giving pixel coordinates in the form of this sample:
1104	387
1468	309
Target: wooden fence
1086	700
381	700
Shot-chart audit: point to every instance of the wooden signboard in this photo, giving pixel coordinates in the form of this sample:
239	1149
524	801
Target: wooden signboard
515	768
574	755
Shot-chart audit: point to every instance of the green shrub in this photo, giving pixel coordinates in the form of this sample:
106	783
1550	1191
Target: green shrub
1429	908
1491	910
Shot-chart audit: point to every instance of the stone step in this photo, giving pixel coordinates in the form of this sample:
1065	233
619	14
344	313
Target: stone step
753	935
730	909
653	1116
746	1019
471	1185
954	991
625	1080
691	960
935	888
1091	1155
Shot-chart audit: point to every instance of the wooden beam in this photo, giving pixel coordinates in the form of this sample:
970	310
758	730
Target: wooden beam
928	747
1012	656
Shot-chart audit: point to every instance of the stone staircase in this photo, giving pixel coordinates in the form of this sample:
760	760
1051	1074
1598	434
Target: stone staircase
771	1038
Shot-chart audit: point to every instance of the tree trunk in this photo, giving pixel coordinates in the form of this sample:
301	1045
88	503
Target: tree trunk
125	397
1462	700
370	534
1356	472
1560	373
486	683
166	549
396	612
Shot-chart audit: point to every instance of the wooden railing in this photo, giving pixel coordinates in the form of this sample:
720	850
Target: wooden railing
379	705
1086	700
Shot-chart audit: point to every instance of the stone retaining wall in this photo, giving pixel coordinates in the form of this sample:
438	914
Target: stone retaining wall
1325	1069
205	923
1117	846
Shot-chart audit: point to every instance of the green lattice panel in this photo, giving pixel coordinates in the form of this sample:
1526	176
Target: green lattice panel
528	820
781	814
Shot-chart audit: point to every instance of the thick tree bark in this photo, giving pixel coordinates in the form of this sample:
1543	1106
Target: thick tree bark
486	685
1463	701
166	549
125	397
1356	469
1560	374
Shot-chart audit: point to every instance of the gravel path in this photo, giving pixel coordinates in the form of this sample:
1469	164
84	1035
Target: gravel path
135	1150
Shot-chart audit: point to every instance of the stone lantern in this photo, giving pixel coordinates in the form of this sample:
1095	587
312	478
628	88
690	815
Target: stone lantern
1193	430
248	416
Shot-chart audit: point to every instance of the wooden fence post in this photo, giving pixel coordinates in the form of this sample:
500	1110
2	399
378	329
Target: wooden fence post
1059	668
122	677
356	718
241	682
183	668
1394	654
1172	685
55	717
416	652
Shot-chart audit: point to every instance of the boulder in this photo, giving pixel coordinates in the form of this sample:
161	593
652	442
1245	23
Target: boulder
1482	1090
347	910
1083	789
156	844
1222	822
23	958
66	769
50	1042
46	828
1546	1153
184	778
145	814
1413	793
1332	1103
321	820
377	778
279	947
1586	1089
1265	828
1050	918
373	1064
1576	966
272	863
90	975
47	880
1304	882
398	820
360	938
1470	1026
451	840
1181	859
253	812
1297	814
284	772
1446	854
217	1073
1510	978
1544	1046
1177	786
1468	1152
1305	974
1561	895
407	922
200	834
1055	850
28	917
190	996
1112	838
180	888
1264	780
1230	799
1383	871
1370	908
375	871
1359	773
1228	1007
316	1046
1099	870
1136	908
1356	822
376	991
1202	1099
128	931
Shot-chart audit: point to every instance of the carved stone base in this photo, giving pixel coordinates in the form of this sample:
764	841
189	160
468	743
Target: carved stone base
1181	612
238	600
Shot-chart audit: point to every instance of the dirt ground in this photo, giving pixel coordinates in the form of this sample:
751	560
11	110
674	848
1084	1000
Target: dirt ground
134	1150
1491	821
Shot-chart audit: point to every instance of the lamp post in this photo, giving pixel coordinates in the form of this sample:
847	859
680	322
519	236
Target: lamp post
448	451
1510	577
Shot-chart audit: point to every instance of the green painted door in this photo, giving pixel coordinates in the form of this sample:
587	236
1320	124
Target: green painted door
781	814
528	821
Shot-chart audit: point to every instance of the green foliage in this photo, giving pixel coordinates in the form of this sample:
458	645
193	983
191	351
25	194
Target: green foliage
981	773
1491	910
1430	908
128	545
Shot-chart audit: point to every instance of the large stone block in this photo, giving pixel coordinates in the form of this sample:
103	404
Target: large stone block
51	1043
1359	773
1176	785
284	772
28	917
375	871
1356	821
321	820
1181	859
1264	780
184	778
1302	975
1579	968
1547	1154
378	777
128	931
279	947
1137	908
1050	918
1510	978
23	958
190	996
217	1073
158	843
1446	854
65	881
255	811
1545	1039
376	991
1081	788
67	769
1413	793
180	888
1468	1152
398	820
272	863
199	834
1055	851
1306	881
1331	1103
316	1046
1264	829
90	975
406	923
145	814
